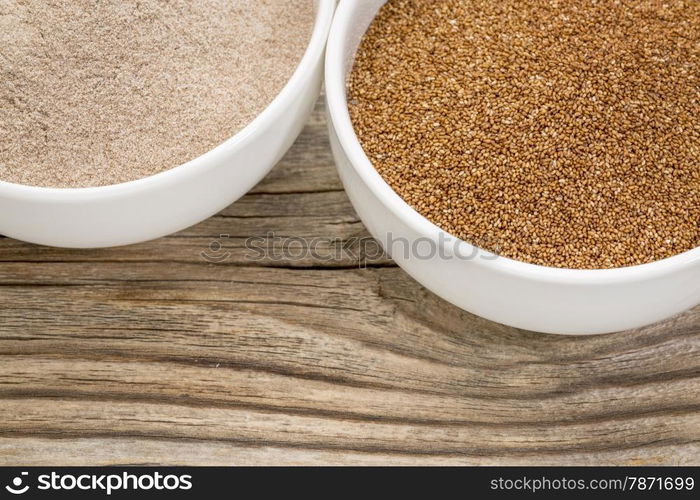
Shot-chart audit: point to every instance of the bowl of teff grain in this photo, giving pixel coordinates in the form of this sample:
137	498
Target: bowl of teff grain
535	162
123	121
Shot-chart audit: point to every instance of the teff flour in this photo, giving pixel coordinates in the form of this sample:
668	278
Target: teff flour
101	92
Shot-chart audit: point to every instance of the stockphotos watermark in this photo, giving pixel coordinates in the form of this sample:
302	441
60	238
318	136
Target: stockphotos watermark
107	484
360	251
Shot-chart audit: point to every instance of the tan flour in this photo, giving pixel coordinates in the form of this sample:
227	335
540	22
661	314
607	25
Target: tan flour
101	92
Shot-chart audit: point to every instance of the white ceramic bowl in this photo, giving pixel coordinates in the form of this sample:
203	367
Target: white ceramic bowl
507	291
162	204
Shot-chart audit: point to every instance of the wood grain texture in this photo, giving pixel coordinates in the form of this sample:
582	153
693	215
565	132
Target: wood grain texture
187	350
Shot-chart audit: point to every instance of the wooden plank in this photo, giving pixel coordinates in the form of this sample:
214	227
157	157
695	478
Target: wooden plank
128	451
193	349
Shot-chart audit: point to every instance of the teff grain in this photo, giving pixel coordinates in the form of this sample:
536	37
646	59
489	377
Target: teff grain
564	133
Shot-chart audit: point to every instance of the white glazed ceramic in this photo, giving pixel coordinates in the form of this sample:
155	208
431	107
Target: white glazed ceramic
500	289
155	206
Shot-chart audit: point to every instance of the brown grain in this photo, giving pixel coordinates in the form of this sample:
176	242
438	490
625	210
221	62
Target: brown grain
563	132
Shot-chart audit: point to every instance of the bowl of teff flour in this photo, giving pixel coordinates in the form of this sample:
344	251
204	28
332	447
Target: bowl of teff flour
536	162
126	121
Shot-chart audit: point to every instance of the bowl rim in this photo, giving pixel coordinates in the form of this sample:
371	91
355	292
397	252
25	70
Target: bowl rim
194	167
339	119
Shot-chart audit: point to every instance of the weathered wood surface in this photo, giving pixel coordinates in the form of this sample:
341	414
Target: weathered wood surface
152	354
